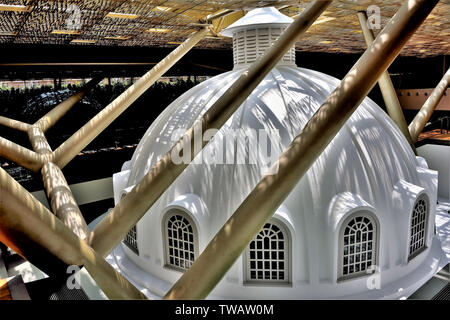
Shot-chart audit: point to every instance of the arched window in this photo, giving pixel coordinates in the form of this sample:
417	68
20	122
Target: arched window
131	240
267	256
419	220
181	240
358	246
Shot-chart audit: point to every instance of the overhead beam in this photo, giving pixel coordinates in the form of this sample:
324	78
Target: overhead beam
424	114
113	228
229	243
390	98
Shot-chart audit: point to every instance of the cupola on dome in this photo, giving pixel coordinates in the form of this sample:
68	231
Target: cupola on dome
365	208
255	33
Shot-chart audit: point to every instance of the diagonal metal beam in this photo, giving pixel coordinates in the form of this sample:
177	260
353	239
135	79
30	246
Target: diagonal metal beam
14	124
50	119
36	234
214	16
229	243
80	139
113	228
390	98
34	160
420	120
20	155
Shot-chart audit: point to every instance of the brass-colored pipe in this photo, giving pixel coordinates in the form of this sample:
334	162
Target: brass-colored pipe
62	201
38	141
135	204
420	120
50	119
58	192
20	155
390	98
218	15
80	139
34	232
229	243
14	124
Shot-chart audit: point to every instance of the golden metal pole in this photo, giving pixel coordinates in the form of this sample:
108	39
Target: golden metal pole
14	124
80	139
62	201
57	189
229	243
20	155
113	228
218	15
424	114
31	230
390	98
49	120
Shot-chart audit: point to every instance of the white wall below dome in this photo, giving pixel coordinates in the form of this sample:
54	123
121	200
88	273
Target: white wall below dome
438	158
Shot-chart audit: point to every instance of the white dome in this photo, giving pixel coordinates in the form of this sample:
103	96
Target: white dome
368	167
366	201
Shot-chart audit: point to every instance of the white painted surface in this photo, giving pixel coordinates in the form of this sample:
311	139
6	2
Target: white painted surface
438	158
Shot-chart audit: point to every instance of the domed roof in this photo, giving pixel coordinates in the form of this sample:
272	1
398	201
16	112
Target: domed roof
368	166
258	17
281	105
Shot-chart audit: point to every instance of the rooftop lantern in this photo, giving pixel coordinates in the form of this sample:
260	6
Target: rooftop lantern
255	33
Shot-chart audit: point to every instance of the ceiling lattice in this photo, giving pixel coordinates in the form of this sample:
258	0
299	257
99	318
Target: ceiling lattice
164	23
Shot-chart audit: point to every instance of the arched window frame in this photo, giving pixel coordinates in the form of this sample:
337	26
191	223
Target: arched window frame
167	216
416	252
287	259
375	245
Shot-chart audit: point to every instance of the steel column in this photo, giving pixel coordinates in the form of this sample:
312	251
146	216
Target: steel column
424	114
35	233
390	98
229	243
113	228
14	124
57	189
20	155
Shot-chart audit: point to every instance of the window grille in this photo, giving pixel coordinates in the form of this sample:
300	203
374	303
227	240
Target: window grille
180	241
267	256
418	227
358	246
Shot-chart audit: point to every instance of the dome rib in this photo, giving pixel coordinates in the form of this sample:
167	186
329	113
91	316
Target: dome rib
280	84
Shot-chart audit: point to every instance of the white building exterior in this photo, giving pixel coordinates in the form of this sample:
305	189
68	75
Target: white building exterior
366	203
